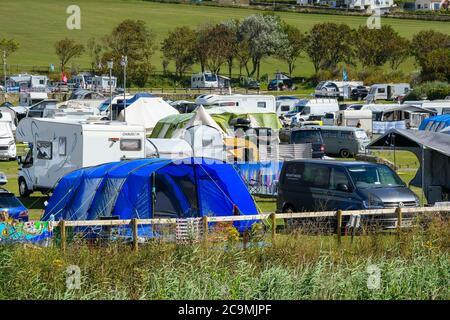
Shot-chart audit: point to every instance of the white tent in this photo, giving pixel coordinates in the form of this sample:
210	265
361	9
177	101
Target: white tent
146	111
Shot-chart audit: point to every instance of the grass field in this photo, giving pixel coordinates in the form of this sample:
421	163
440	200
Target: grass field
38	24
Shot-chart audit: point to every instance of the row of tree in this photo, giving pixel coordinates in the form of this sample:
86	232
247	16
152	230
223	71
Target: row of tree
245	43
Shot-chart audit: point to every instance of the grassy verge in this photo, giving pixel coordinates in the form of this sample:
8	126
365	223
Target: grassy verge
415	266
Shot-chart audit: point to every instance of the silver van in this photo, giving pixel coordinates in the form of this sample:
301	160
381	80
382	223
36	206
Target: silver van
344	141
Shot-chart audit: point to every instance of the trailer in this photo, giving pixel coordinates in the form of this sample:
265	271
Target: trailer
238	102
59	146
387	91
7	142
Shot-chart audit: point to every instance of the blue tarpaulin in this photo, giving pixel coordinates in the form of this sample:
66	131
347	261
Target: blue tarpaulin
151	188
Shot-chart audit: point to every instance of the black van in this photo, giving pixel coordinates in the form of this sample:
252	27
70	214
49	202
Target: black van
327	185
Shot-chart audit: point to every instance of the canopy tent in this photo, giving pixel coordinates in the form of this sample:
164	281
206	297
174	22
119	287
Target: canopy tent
151	188
433	151
146	111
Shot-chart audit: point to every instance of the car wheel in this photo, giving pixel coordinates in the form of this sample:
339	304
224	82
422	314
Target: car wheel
23	188
344	153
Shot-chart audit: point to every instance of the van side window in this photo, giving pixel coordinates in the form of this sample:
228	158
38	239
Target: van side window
44	150
338	177
294	172
316	176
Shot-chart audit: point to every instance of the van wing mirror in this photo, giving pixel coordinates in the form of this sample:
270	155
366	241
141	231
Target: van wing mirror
343	187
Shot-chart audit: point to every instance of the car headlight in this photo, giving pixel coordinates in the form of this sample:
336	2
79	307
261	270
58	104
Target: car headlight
373	203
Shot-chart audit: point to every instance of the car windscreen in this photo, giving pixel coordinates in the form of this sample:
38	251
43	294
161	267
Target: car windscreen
306	136
9	201
374	176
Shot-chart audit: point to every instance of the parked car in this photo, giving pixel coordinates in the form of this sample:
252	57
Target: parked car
359	93
281	84
12	206
310	185
309	135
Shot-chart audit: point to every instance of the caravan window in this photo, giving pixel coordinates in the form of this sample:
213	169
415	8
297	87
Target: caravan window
284	108
62	141
381	90
261	104
130	145
44	150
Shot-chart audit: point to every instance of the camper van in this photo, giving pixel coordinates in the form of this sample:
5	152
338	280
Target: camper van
7	143
82	80
306	109
57	147
204	80
387	91
336	89
238	102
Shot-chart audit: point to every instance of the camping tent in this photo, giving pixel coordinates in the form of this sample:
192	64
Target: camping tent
433	152
151	188
436	124
146	111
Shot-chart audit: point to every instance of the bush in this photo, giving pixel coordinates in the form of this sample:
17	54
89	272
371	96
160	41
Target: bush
430	90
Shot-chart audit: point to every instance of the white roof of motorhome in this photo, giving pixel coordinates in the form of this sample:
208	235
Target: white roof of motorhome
209	99
319	101
27	127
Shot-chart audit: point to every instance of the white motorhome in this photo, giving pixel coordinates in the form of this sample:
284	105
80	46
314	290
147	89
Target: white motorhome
286	104
59	146
336	89
7	142
27	99
205	79
313	108
82	80
238	102
38	82
387	91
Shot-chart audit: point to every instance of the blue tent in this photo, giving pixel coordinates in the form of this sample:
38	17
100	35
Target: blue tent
436	123
151	188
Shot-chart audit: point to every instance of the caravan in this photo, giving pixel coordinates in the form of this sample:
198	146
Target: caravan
336	89
238	102
7	142
208	79
387	91
57	147
306	109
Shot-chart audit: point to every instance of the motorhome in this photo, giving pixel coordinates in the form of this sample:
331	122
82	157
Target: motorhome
205	79
387	91
57	147
82	80
306	109
27	99
336	89
101	83
286	104
238	102
7	142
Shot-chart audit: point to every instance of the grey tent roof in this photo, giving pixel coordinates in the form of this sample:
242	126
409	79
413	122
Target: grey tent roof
411	138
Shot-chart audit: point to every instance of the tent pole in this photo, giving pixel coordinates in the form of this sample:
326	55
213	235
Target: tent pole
423	174
153	194
194	167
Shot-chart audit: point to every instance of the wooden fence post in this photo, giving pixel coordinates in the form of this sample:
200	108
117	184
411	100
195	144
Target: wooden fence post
273	219
134	225
399	213
339	225
62	227
205	229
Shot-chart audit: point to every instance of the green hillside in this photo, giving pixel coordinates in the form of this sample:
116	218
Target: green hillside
38	24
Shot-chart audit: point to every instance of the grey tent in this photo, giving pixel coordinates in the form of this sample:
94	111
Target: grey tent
433	151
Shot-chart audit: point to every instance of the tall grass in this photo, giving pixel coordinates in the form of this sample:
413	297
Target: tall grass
297	266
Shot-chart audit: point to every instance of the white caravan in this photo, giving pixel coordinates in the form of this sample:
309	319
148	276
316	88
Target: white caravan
336	89
350	118
439	106
101	83
313	108
286	104
28	99
59	146
205	79
239	103
387	91
7	142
